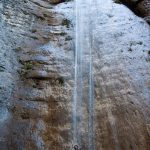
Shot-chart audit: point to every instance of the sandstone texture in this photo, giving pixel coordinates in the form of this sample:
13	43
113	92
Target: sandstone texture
37	51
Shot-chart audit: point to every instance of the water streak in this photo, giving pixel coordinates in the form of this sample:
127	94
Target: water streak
77	96
83	73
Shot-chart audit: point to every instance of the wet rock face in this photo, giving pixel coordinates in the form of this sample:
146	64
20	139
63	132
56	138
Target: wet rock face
37	75
120	43
121	47
36	68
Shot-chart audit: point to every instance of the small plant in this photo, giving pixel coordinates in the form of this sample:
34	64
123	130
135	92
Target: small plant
46	69
25	68
68	38
22	72
40	17
66	23
28	65
45	15
34	37
62	34
148	59
2	68
33	30
61	80
18	49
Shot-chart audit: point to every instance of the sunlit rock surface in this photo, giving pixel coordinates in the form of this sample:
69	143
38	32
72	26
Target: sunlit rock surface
37	75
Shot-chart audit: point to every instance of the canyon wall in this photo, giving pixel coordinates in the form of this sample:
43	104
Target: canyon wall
36	65
37	51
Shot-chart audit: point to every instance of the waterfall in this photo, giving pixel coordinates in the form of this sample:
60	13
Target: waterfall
83	74
77	96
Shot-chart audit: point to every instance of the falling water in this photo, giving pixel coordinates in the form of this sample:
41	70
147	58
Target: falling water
83	73
77	97
90	99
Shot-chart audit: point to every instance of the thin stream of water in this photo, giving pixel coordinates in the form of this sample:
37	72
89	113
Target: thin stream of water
83	66
91	97
77	96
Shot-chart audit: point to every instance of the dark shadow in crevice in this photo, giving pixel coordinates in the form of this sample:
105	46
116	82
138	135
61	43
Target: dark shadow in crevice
138	7
133	6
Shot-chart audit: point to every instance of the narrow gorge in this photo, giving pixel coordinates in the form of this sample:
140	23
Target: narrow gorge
74	75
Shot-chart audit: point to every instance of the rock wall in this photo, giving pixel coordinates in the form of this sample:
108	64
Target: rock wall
37	76
121	73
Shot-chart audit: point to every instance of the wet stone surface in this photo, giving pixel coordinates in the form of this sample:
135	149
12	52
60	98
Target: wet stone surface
37	51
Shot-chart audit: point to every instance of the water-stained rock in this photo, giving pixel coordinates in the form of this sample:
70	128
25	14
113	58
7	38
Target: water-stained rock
37	50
